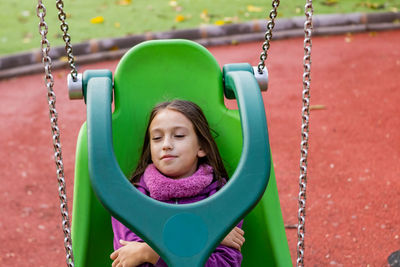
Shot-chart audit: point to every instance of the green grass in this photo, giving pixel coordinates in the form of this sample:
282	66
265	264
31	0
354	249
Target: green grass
19	23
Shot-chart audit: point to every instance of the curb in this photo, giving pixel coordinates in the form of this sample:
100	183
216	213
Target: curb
113	48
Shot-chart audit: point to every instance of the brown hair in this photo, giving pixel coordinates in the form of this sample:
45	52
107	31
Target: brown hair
193	112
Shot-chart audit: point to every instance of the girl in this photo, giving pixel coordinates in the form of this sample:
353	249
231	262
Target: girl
180	163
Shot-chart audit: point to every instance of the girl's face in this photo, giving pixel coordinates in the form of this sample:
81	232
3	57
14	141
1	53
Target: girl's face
174	145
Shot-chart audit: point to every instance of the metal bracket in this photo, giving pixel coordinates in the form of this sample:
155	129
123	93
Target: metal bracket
75	88
262	79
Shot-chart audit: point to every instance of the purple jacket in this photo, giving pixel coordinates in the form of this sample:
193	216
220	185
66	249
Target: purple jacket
222	256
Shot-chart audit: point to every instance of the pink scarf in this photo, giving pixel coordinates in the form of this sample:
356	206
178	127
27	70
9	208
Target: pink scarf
164	188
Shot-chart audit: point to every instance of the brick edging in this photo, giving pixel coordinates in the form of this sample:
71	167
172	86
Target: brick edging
111	48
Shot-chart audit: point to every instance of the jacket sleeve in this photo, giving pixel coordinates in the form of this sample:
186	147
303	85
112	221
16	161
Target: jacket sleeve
121	232
124	233
224	256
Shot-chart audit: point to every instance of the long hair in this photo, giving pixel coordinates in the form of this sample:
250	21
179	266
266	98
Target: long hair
193	112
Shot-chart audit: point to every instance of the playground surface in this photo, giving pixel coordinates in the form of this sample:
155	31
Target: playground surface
353	192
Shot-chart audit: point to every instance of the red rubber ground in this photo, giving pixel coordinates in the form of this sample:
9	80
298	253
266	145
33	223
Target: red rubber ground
353	197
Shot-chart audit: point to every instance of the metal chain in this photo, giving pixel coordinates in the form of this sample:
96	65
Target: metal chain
51	97
304	132
268	36
67	39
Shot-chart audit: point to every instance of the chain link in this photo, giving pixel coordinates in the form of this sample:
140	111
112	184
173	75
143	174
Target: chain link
268	36
304	132
51	97
67	39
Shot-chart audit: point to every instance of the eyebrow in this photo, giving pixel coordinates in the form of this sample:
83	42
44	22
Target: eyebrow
173	128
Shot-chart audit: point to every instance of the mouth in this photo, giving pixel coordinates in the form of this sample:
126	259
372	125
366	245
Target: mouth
168	157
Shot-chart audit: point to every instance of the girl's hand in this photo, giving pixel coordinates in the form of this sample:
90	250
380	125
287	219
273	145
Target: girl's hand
132	254
234	239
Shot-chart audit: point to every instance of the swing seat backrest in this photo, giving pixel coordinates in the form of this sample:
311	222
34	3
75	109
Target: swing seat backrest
154	72
148	74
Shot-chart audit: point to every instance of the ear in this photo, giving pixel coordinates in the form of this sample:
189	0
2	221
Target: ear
201	153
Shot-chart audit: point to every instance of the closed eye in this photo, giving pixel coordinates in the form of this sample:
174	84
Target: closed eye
179	135
156	138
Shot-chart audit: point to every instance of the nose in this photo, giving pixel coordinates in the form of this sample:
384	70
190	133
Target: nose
167	144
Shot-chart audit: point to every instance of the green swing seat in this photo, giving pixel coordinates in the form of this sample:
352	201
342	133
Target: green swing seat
149	73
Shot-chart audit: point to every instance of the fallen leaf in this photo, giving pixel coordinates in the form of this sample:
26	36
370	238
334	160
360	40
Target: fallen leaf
373	5
97	20
63	59
204	15
329	2
228	20
348	38
219	22
180	18
23	17
173	3
317	107
117	25
252	8
28	37
376	6
372	34
178	8
124	2
25	13
394	9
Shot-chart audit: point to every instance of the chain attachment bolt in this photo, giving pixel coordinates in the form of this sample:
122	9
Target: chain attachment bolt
75	88
262	78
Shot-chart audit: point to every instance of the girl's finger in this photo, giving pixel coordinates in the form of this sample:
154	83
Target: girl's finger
123	242
235	245
239	230
239	245
114	255
115	263
242	238
238	236
238	241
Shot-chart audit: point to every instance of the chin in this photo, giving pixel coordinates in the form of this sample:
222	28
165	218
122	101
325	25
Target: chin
169	174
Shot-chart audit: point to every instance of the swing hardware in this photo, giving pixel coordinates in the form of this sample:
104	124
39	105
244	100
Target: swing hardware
262	78
67	39
76	89
305	117
268	36
51	98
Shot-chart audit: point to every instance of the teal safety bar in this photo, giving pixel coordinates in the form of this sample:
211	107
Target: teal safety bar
183	235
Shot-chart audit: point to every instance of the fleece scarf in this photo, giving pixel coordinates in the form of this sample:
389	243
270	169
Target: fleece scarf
164	188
